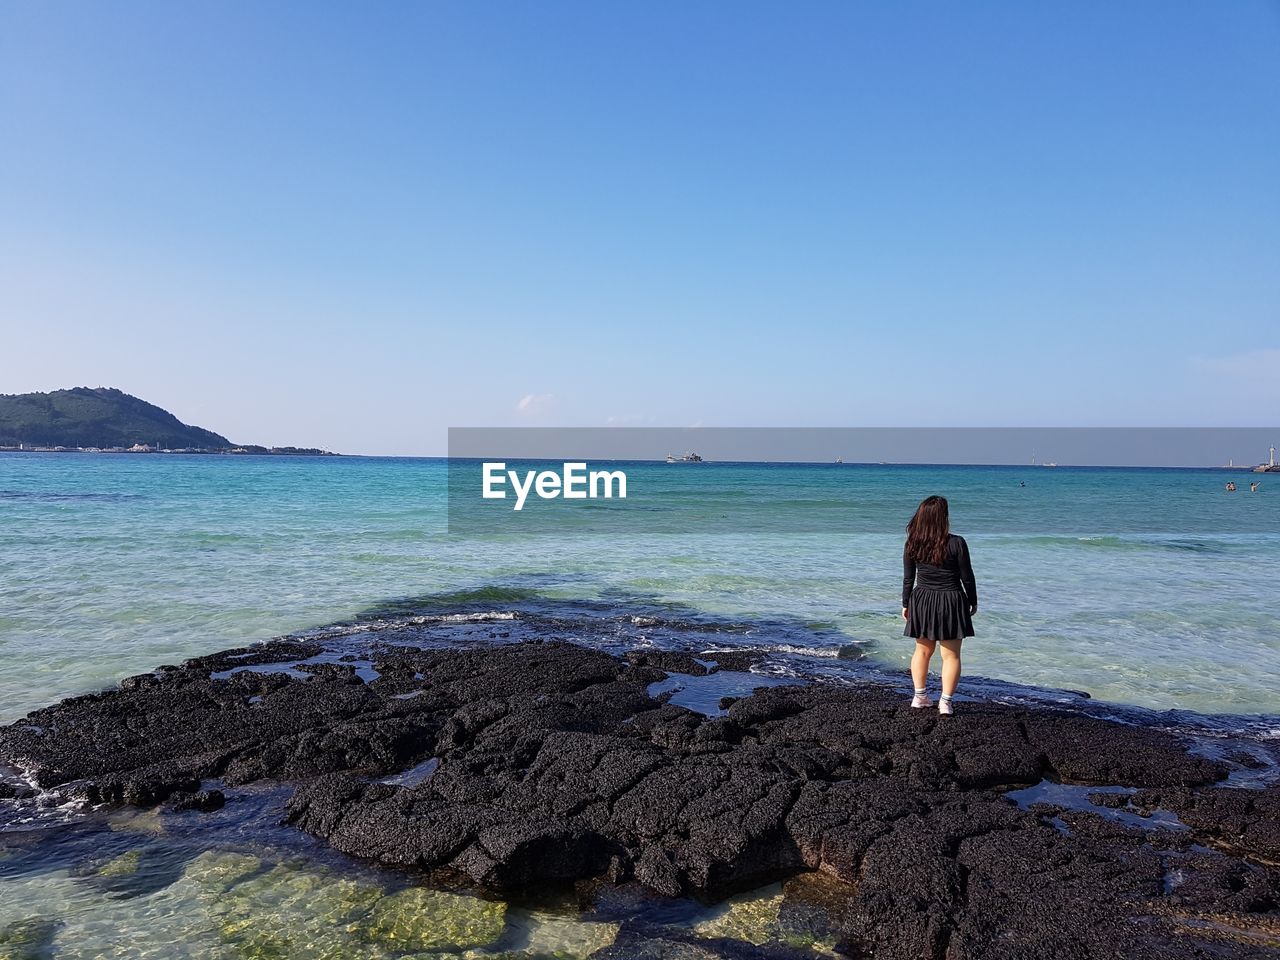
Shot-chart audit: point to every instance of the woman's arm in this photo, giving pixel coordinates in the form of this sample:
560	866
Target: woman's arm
908	579
966	577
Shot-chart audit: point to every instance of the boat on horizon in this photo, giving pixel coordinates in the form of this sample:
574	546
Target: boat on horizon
687	458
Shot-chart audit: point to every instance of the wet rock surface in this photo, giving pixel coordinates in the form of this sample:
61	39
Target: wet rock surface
554	765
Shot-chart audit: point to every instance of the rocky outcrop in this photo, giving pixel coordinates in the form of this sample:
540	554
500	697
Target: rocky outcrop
551	763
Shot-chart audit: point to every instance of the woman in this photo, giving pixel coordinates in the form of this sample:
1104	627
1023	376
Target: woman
939	598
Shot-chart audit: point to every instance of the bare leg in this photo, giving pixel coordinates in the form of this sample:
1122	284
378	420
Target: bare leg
920	663
950	666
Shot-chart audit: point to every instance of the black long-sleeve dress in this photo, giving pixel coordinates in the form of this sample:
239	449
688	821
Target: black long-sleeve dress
938	598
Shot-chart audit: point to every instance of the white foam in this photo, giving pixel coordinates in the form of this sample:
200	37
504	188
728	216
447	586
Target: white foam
831	653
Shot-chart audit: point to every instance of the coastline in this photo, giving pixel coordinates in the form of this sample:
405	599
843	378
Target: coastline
508	768
250	451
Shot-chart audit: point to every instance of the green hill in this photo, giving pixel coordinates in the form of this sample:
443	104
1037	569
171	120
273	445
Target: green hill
102	417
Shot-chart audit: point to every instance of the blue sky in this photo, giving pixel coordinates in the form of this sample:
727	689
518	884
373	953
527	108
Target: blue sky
356	225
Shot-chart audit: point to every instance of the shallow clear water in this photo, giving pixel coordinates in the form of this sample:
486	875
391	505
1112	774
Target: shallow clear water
234	884
111	565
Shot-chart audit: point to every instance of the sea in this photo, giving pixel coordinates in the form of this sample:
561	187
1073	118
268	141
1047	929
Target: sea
1150	595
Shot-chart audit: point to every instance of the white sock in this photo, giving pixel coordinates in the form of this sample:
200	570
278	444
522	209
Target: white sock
947	696
921	691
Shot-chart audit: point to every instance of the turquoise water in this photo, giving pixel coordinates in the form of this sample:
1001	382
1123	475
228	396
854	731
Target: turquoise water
1145	587
1151	588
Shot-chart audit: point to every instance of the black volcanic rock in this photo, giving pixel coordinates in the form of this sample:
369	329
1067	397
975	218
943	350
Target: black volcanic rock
552	764
202	800
1249	819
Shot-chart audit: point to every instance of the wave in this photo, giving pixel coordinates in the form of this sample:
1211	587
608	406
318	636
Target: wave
1133	542
381	624
685	625
408	606
55	496
826	653
35	807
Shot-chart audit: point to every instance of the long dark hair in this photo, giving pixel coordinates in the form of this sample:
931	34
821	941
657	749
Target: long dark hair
928	532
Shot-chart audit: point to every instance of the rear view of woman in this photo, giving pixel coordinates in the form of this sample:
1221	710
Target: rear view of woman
939	598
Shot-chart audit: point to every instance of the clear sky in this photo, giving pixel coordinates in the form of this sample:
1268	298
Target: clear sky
353	225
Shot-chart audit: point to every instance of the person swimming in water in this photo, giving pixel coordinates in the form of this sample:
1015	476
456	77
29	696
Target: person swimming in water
1231	486
1253	487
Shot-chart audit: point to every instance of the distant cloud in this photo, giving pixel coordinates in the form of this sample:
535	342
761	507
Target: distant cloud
534	404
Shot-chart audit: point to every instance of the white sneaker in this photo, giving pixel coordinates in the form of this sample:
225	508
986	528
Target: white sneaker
945	708
920	701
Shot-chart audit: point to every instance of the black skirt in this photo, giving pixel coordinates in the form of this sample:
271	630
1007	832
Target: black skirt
938	615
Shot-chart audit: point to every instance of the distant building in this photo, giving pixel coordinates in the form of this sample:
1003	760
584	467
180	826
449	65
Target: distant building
141	448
